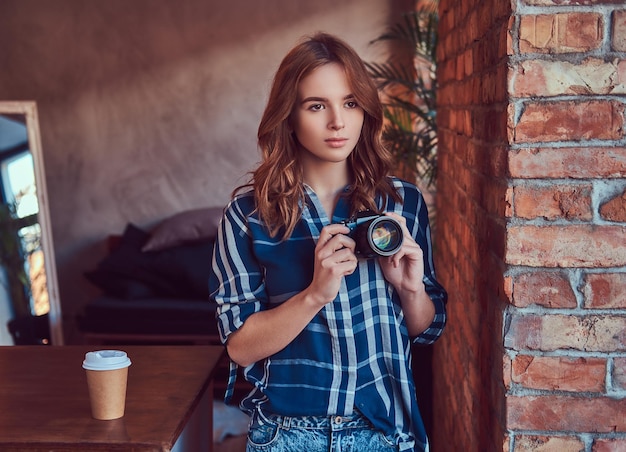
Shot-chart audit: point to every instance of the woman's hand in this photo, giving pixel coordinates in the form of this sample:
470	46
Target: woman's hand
334	259
405	269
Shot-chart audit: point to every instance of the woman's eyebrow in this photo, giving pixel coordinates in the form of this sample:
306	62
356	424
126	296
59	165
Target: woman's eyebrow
324	99
314	99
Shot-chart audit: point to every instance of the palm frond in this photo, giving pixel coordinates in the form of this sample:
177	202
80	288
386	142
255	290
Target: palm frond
417	30
409	93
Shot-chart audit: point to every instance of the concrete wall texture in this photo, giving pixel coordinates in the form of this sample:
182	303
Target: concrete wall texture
531	226
150	107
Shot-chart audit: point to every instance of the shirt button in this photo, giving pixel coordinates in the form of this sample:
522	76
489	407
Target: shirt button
338	419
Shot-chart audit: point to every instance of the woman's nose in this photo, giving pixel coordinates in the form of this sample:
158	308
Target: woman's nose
336	122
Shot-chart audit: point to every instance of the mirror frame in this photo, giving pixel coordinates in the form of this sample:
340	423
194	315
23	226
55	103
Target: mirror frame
29	110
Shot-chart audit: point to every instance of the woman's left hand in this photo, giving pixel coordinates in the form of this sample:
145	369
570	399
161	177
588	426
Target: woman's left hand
405	269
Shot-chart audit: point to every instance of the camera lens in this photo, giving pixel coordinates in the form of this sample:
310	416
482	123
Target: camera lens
385	236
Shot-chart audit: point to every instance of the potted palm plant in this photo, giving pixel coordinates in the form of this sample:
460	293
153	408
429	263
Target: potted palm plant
407	81
25	328
12	260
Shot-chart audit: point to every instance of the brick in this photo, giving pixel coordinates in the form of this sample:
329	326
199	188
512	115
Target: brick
559	373
507	365
508	203
542	288
569	121
609	445
553	202
532	443
614	209
592	333
605	290
574	162
619	374
566	246
560	33
566	413
619	31
547	78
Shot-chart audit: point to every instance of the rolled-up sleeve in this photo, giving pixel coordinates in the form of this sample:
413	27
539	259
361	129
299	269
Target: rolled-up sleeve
236	282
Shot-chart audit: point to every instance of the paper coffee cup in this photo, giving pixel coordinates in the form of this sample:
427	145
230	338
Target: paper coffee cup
107	375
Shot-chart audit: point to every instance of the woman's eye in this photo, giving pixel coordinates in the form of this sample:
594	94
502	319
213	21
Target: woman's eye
351	104
316	107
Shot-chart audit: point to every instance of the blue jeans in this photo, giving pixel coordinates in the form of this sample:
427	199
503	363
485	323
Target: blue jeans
272	433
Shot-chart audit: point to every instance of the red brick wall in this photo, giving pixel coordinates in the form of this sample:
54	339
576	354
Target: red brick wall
531	226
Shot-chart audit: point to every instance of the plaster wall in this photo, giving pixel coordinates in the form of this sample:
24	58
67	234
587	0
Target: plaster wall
150	107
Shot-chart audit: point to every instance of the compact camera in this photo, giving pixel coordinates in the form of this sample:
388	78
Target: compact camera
375	235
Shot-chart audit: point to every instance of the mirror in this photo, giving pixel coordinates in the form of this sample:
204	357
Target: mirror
30	308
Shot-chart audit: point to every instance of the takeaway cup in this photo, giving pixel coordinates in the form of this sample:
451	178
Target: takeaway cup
107	375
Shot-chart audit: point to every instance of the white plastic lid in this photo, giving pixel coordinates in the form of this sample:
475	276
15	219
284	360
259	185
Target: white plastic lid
106	360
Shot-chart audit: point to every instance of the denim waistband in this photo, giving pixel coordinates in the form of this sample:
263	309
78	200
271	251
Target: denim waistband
335	422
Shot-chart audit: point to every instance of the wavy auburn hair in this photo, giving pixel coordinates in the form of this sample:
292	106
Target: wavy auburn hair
277	182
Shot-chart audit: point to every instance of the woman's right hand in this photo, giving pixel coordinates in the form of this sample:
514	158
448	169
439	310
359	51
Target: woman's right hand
334	259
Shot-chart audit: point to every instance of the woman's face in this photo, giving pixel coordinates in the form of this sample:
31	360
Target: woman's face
326	119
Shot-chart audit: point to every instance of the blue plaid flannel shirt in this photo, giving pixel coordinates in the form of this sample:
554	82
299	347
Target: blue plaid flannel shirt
356	352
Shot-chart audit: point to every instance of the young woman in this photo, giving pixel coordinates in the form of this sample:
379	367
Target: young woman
325	334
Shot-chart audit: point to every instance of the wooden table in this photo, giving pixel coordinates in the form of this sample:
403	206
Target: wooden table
44	401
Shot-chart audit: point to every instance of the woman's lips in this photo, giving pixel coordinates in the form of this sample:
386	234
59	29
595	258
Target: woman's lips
336	142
